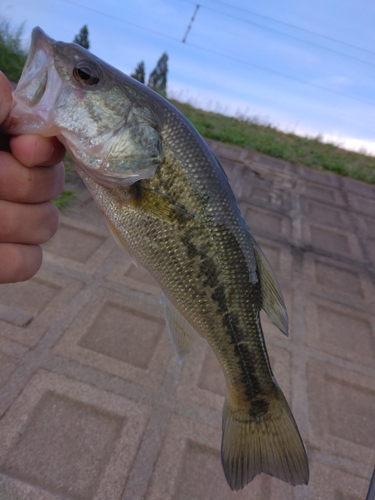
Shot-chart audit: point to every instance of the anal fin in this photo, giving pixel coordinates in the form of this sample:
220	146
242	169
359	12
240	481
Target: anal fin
272	300
182	334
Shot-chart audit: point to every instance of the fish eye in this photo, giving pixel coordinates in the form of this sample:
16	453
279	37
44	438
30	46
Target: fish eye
86	73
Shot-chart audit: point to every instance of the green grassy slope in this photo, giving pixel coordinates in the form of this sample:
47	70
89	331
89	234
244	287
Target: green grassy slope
268	140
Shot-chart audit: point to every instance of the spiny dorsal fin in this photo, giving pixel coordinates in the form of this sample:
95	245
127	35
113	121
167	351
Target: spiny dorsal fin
182	334
272	299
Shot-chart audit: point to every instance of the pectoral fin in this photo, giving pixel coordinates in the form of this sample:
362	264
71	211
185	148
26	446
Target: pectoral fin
182	334
159	204
272	299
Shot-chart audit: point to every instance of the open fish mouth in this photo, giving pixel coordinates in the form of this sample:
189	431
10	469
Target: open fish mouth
37	87
33	81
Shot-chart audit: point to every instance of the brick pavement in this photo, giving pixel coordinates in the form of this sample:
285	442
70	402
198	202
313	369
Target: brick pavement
93	403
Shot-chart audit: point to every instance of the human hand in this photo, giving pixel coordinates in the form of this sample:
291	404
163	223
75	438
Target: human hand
31	174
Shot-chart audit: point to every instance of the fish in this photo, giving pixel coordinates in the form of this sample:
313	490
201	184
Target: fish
168	203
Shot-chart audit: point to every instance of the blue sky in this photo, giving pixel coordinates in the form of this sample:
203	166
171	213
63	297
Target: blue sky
253	62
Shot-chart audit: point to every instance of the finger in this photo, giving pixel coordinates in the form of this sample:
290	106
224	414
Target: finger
32	149
30	224
5	97
29	185
19	262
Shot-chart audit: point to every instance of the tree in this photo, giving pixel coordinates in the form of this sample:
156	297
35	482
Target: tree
139	73
12	55
83	37
158	77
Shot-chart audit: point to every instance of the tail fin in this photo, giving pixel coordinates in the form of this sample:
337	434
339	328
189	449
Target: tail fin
270	443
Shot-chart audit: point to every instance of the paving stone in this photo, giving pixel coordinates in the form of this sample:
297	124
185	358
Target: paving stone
341	331
189	467
371	250
79	246
342	409
44	297
124	272
362	204
275	164
335	277
367	226
267	192
12	489
14	316
94	402
338	281
71	431
321	192
7	366
198	383
228	152
32	296
321	214
318	176
123	336
265	222
334	484
84	211
357	187
332	240
70	438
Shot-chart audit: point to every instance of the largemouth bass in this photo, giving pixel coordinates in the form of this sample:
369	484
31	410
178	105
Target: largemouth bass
167	200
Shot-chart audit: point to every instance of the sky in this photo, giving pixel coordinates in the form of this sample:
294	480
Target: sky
304	67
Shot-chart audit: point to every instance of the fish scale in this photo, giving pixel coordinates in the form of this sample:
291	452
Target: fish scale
168	202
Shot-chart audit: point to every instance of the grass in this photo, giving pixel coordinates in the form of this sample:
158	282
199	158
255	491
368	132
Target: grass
67	196
266	139
65	199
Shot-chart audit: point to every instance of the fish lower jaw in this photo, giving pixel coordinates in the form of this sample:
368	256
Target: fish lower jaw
21	122
109	181
102	173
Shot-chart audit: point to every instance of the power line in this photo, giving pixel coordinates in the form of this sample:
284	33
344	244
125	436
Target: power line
294	26
221	54
285	34
175	39
278	73
191	24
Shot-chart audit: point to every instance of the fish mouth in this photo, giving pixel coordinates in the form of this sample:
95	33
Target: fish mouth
35	94
34	78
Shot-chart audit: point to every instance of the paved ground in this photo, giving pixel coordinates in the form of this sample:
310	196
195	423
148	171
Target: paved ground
93	403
